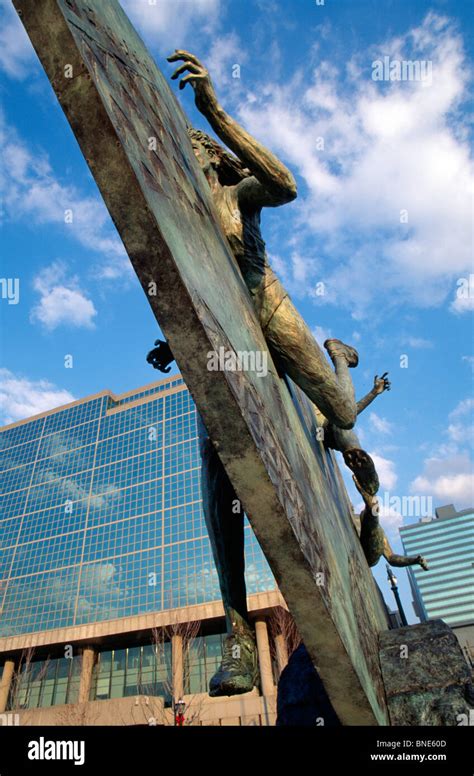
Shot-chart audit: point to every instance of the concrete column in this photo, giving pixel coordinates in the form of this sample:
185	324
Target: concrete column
6	683
281	652
88	660
264	657
177	666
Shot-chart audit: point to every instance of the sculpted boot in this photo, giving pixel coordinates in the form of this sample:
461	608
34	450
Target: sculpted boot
362	466
238	672
336	349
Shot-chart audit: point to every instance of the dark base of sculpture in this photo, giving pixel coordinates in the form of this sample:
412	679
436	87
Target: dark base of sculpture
302	700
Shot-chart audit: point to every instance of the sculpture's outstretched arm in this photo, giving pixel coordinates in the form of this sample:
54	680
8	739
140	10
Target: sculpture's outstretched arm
273	183
381	384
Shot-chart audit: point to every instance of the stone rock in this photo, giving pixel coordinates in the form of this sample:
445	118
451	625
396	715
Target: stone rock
427	680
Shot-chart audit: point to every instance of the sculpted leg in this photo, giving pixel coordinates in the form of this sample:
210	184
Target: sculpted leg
300	356
238	672
373	539
347	442
358	461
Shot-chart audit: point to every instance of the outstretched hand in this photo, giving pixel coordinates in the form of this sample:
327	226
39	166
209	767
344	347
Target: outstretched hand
381	384
422	562
198	76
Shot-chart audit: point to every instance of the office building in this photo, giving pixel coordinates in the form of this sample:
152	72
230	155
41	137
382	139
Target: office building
446	591
110	608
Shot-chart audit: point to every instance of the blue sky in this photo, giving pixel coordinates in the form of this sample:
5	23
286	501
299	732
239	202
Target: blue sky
382	218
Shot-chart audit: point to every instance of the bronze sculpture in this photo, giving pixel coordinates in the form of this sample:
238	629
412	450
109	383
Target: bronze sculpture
373	539
241	186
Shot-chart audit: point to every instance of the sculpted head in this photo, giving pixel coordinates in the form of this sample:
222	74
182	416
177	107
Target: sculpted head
215	160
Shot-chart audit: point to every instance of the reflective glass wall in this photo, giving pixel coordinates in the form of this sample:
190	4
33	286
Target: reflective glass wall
101	515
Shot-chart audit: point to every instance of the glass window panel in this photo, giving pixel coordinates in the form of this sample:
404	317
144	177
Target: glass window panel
133	671
132	690
213	646
102	687
120	656
64	666
148	656
20	692
117	685
103	675
60	692
34	695
48	683
104	663
133	659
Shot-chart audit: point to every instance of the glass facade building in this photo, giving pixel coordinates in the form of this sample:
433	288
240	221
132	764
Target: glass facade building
101	518
446	591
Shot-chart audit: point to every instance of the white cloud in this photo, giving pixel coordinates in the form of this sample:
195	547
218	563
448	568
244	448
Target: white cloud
418	343
299	274
463	301
17	56
31	192
224	52
386	471
178	21
448	479
462	304
390	519
387	147
102	591
461	434
461	428
469	360
378	424
321	334
464	407
20	397
61	300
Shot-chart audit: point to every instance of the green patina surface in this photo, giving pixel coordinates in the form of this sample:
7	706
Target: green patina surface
426	678
262	427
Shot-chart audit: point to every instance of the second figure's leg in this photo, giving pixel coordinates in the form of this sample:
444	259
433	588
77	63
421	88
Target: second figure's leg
296	350
356	459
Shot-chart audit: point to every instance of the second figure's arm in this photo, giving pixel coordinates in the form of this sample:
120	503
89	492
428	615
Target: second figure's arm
273	183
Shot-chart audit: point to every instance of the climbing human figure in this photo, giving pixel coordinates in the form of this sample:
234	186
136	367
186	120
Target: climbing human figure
241	184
